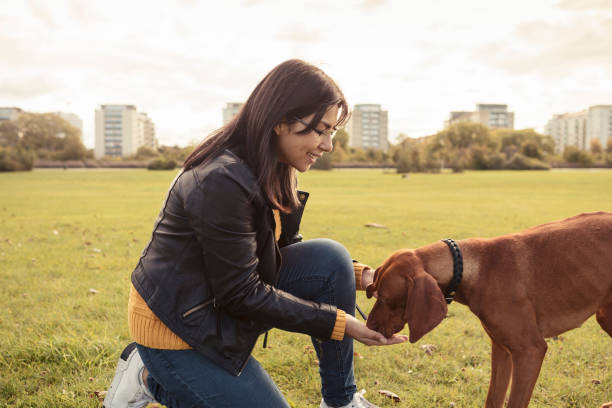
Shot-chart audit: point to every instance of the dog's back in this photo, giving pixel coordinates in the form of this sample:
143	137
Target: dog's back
551	258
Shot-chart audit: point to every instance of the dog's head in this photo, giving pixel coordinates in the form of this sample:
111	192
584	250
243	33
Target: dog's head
405	294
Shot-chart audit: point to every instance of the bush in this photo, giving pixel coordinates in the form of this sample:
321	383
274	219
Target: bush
572	154
521	162
484	160
323	163
144	153
16	159
408	160
496	161
531	149
162	164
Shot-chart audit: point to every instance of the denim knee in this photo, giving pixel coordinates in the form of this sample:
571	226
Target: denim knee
338	262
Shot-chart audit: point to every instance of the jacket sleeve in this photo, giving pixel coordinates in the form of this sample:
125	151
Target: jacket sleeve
223	215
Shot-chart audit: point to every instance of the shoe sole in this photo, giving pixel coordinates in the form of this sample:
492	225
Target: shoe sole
122	365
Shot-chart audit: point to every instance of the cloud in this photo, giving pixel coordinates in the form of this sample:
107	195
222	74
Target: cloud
299	35
40	12
26	86
585	4
553	50
369	5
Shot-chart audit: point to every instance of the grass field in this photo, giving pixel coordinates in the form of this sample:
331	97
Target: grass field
69	241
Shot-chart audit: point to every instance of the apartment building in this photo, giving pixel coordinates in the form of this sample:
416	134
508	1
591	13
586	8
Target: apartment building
568	129
116	131
579	129
121	130
146	132
599	124
230	110
495	116
368	127
9	113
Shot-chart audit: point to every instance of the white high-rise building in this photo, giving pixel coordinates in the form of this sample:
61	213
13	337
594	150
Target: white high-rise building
599	125
579	129
116	131
146	131
230	110
368	127
73	119
568	129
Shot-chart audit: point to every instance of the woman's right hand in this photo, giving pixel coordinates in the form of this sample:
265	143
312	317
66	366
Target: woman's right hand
360	332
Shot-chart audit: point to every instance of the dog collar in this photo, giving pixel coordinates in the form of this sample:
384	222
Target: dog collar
457	269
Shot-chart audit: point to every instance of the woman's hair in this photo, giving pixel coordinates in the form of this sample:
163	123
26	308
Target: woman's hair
293	89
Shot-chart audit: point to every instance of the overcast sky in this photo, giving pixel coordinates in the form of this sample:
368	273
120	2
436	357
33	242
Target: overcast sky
181	61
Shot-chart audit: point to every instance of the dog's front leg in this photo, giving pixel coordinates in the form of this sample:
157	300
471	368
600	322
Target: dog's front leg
501	369
526	363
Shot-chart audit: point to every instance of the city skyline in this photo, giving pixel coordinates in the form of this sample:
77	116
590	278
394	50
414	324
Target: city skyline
420	61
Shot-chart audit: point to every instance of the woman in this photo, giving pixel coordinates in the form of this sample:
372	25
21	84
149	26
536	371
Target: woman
226	263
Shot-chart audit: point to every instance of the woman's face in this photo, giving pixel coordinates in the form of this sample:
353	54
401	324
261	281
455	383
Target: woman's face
302	150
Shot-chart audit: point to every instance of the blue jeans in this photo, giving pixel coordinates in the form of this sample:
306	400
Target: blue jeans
320	270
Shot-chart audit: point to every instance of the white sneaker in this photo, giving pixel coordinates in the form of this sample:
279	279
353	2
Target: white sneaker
127	389
358	401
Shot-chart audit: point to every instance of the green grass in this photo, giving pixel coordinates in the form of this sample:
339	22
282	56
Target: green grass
63	233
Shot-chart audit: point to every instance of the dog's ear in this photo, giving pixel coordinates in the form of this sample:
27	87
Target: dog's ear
425	306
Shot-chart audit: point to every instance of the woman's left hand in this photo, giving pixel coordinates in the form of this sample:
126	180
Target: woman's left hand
360	332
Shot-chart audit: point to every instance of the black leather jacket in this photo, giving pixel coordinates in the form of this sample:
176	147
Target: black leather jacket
210	268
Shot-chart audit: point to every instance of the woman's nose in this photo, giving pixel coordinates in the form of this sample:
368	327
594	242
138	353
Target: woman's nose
326	144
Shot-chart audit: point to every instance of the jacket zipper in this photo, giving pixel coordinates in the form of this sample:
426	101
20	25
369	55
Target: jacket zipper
198	307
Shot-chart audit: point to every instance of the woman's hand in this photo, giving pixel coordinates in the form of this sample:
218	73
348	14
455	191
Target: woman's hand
360	332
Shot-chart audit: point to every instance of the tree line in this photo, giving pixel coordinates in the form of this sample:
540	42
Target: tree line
470	146
46	140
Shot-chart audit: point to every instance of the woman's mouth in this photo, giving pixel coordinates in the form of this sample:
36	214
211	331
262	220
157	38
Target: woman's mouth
313	157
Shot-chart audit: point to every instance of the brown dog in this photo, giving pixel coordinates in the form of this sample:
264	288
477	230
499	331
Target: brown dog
524	287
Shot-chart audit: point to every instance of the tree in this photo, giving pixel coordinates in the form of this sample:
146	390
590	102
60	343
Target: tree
9	133
176	153
574	155
144	153
338	155
465	135
519	138
531	149
71	149
48	136
323	163
15	159
341	139
596	149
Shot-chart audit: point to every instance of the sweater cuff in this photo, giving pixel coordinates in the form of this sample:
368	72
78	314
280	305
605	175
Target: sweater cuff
340	326
359	268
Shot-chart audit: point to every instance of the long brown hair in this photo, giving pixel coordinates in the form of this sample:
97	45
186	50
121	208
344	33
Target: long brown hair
293	89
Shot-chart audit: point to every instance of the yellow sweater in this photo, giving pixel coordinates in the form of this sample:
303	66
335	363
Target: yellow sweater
147	329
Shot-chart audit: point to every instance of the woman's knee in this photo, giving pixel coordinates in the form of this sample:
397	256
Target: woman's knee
337	259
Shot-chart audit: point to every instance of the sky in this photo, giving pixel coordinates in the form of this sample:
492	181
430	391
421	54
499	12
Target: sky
181	61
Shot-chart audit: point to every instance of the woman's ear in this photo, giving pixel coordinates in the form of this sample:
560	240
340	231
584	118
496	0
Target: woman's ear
282	128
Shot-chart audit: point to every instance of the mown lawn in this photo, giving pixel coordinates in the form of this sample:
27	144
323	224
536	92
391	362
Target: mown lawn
69	240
